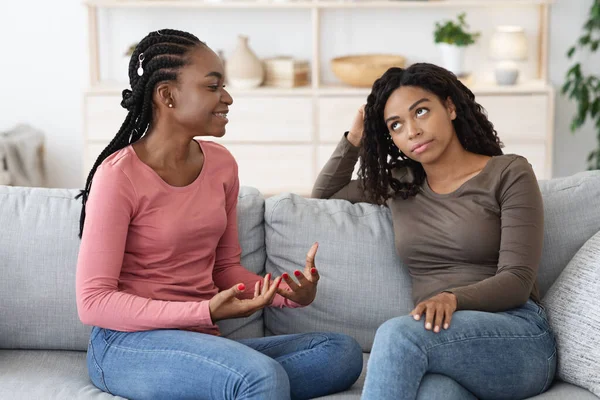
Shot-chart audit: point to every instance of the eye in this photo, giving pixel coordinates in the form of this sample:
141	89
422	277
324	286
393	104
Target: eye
395	126
421	111
214	88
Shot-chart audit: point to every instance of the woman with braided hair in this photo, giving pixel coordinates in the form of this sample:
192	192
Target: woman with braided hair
159	261
468	224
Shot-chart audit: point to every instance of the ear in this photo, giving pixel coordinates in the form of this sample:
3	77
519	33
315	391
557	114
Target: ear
165	95
451	108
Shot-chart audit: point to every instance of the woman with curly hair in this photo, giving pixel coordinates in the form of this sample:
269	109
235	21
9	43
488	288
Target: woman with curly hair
468	223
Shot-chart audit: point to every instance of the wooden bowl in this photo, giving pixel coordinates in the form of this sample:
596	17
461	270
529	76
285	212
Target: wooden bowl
363	70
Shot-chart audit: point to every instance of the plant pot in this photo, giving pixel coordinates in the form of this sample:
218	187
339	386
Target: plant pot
244	69
453	58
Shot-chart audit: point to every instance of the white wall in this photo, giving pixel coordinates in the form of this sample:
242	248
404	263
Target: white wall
570	150
43	69
44	58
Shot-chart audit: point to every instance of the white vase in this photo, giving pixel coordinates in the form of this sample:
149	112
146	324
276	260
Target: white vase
244	69
453	58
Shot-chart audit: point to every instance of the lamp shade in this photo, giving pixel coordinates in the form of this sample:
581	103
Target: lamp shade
509	43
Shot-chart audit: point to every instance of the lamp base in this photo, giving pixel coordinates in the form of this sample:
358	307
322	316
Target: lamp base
507	73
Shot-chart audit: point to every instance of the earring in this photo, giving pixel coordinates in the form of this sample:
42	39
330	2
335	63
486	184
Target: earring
140	70
170	105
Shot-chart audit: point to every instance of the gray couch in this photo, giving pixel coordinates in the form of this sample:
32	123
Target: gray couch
43	343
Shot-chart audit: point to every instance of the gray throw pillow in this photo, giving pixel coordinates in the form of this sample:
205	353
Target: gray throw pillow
573	307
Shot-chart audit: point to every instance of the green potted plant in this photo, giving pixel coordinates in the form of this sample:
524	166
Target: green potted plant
583	86
453	37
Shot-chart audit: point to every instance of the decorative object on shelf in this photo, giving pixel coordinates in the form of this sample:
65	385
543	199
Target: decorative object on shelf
286	72
363	70
585	89
453	39
244	69
508	45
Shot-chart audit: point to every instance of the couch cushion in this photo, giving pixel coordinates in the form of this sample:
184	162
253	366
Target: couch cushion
571	217
573	307
362	284
47	374
38	256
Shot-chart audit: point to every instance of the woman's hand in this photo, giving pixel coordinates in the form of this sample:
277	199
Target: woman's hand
226	305
305	290
438	310
356	131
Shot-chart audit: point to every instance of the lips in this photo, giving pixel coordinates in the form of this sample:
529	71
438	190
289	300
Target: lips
416	146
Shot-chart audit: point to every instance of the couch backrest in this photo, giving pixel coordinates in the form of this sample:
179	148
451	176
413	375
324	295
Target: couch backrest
363	280
38	256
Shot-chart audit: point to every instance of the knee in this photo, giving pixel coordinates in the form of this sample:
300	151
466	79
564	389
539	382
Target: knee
349	354
268	376
397	330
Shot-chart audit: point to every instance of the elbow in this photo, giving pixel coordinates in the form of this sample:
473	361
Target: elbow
86	311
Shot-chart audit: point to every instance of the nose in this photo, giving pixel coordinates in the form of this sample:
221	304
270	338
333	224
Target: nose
226	98
413	130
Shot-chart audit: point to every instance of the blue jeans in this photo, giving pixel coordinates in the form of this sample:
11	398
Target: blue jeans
504	355
176	364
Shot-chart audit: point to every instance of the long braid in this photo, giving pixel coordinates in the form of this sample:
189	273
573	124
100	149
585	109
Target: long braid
164	54
380	156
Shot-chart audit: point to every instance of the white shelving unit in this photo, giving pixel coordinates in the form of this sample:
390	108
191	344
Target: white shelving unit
285	152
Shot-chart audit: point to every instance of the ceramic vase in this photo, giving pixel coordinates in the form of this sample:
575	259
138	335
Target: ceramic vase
244	69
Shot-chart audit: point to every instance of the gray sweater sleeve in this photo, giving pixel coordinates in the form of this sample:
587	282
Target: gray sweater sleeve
335	179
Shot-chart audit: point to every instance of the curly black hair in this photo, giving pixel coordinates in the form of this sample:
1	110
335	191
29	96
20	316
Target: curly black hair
164	53
379	155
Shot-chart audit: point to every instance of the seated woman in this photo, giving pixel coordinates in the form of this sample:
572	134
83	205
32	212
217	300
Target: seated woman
159	261
468	224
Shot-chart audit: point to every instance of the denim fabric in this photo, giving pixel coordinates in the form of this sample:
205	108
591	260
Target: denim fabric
175	364
504	355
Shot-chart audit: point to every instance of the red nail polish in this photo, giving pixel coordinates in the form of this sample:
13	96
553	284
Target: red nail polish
297	273
313	271
241	286
285	276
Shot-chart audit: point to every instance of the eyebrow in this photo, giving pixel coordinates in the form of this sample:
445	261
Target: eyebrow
215	74
416	103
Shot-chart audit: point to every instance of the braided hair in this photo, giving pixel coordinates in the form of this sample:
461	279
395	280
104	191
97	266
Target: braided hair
163	53
380	156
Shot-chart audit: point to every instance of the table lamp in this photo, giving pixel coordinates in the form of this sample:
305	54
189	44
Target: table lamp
508	45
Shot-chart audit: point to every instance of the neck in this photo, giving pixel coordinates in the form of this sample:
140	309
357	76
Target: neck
167	145
454	163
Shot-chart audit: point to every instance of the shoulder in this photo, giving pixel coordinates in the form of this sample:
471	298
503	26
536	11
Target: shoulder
508	163
117	173
218	153
515	178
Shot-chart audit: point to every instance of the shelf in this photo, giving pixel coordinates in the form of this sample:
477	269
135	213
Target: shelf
482	88
291	4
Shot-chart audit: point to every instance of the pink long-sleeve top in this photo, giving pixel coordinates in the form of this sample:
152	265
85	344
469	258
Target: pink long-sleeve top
152	255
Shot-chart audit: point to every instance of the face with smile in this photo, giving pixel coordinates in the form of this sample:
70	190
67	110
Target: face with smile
199	100
420	124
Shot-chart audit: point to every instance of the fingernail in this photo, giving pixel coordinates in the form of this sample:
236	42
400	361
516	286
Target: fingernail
313	271
417	317
285	276
297	273
268	276
278	282
436	329
428	325
445	326
241	286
